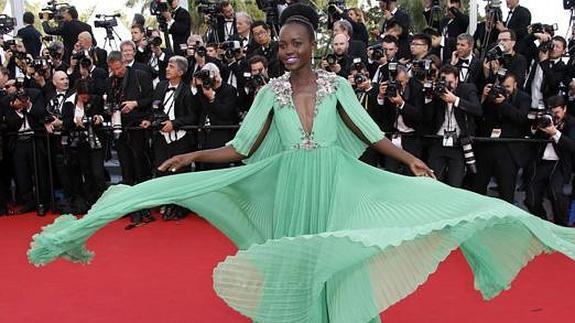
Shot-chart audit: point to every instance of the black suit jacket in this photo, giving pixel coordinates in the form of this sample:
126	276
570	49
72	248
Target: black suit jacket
36	116
403	19
474	72
99	57
564	148
458	26
31	39
180	29
511	117
519	22
95	107
469	107
136	85
552	77
69	30
223	111
221	30
185	110
412	111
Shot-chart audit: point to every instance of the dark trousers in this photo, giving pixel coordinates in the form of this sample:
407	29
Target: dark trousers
411	144
211	139
6	175
91	166
547	178
494	159
447	163
65	169
24	171
133	154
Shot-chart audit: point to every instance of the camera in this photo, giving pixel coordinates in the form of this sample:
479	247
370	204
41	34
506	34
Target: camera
545	47
93	140
543	121
9	43
54	53
207	80
231	48
393	88
41	64
54	9
158	115
113	109
441	87
155	41
106	21
159	6
331	59
421	68
495	53
377	52
208	8
7	24
495	91
428	89
568	4
335	8
468	155
254	81
539	28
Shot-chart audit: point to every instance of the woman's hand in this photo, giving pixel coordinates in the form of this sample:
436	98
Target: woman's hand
420	169
177	162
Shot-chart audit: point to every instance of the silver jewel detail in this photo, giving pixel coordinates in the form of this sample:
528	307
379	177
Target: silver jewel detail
327	83
307	142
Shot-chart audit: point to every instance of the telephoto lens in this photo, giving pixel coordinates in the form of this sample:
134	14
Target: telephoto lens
468	155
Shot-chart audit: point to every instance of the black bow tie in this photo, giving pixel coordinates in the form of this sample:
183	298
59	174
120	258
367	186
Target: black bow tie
171	88
463	61
229	20
60	95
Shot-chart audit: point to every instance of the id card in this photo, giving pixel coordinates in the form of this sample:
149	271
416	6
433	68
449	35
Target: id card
396	140
496	133
449	138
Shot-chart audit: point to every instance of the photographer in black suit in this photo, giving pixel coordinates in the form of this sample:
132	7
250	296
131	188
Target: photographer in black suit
96	54
131	90
24	118
505	110
219	107
518	19
30	36
226	23
551	170
391	12
451	116
69	29
173	109
83	115
506	57
179	25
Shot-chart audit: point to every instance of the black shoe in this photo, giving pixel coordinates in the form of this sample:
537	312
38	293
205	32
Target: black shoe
169	213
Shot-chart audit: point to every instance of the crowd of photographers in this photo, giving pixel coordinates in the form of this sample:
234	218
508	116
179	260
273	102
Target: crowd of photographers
494	104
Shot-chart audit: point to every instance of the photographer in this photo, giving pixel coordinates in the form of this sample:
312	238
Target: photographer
383	55
30	36
130	91
454	24
139	38
226	23
83	115
391	12
244	34
470	68
56	52
258	77
505	110
419	47
179	25
96	54
400	100
518	19
486	34
69	28
218	102
451	116
25	118
158	56
356	48
339	62
552	168
548	73
267	48
174	110
505	56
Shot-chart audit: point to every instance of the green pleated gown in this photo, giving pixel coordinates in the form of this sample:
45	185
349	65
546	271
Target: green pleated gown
324	237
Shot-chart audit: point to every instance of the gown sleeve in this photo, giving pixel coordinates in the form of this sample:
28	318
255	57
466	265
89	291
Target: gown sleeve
253	123
360	118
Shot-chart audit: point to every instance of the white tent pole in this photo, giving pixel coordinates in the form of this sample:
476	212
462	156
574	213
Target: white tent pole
473	9
18	12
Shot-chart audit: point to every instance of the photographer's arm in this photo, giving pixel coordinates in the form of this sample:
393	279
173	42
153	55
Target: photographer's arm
52	30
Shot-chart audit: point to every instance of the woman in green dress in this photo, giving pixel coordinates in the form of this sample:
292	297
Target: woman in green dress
322	236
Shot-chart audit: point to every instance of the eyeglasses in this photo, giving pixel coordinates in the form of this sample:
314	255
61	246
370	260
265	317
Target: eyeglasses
260	33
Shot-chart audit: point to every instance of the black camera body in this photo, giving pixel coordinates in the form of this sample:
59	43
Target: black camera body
208	81
421	68
495	91
441	87
546	47
231	48
41	64
7	24
377	52
495	53
159	6
106	21
393	88
54	9
254	81
158	116
544	120
207	7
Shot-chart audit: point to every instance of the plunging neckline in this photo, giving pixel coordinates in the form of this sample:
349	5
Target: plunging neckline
309	132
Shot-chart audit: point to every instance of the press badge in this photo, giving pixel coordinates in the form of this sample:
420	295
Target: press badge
449	138
396	140
496	133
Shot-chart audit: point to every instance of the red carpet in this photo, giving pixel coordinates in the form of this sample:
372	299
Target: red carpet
162	273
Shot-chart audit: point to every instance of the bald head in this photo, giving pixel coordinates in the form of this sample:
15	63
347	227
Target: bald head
60	80
340	44
85	39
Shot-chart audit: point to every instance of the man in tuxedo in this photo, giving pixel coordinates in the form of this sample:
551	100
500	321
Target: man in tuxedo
173	101
218	102
128	50
470	68
30	36
518	19
390	48
450	116
504	116
26	114
244	33
96	54
512	61
179	25
266	47
226	23
401	115
547	73
69	29
551	170
131	90
391	12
